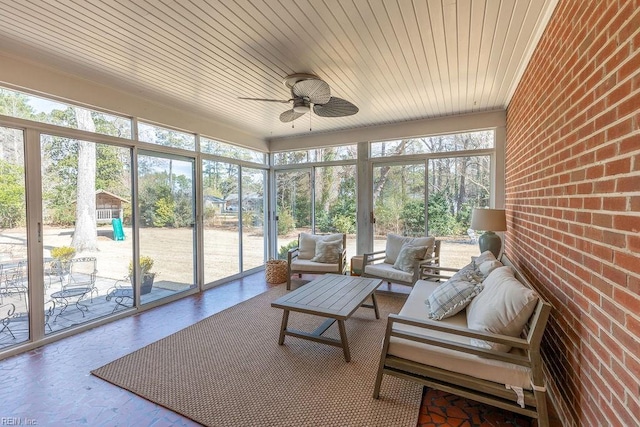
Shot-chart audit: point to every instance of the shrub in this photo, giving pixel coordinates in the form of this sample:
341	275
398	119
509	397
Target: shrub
63	253
286	223
282	253
146	264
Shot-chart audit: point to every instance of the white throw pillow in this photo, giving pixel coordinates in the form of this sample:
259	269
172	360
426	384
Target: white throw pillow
408	256
395	242
307	243
503	307
488	266
328	252
451	297
481	266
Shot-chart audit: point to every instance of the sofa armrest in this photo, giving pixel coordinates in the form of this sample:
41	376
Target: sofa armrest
457	330
428	271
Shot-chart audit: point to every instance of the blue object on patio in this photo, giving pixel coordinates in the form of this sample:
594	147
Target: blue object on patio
118	232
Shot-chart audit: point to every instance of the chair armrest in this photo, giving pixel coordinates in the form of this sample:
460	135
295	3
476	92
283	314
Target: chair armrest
292	253
342	263
458	330
370	257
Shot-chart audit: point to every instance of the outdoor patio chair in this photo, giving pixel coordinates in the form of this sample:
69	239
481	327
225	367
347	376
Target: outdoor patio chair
403	260
317	254
82	274
13	279
121	293
6	313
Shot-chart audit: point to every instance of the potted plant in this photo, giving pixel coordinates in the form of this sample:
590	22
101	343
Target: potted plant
146	263
62	256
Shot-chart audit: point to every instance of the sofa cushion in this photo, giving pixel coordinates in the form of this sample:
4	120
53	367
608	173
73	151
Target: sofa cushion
408	256
328	251
503	307
307	243
452	297
395	242
451	360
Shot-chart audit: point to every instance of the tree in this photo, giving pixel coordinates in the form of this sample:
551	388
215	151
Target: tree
85	236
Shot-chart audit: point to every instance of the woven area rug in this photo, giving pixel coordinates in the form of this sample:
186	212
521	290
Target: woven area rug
228	370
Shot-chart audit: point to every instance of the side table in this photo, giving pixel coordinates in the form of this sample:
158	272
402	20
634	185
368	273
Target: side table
356	265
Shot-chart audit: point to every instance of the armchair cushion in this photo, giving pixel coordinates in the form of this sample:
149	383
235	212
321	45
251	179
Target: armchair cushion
395	242
328	251
314	267
407	257
307	243
387	272
503	307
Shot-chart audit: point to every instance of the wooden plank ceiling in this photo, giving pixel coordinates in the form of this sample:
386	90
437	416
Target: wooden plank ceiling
396	60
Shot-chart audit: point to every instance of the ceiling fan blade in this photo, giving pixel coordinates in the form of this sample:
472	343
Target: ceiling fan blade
289	116
267	100
336	107
317	91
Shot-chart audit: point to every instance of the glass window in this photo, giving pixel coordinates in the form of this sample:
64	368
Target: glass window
234	152
326	154
335	202
166	137
30	107
456	186
434	144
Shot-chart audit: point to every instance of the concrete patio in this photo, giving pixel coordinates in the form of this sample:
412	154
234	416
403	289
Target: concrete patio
97	306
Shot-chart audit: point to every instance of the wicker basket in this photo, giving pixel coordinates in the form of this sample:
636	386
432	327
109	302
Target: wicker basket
276	271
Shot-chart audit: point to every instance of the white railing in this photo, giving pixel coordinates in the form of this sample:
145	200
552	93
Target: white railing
106	215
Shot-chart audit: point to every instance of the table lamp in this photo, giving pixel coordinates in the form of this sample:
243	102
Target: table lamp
489	220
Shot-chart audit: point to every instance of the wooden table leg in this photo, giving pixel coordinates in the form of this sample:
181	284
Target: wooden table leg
283	326
375	305
343	338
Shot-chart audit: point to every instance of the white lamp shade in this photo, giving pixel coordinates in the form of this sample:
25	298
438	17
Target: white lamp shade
488	219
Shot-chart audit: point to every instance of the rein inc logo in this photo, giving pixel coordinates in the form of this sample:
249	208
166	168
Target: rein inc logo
17	421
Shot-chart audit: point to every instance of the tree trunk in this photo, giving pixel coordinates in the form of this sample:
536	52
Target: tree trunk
85	236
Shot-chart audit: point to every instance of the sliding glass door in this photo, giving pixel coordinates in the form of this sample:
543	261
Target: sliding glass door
252	214
87	239
166	225
14	284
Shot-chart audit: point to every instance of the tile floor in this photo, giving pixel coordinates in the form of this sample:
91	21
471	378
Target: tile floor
52	385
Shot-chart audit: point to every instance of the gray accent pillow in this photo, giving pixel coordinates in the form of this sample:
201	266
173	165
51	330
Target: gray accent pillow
395	242
407	257
328	252
453	296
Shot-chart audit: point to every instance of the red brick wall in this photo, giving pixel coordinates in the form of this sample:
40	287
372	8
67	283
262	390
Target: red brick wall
573	204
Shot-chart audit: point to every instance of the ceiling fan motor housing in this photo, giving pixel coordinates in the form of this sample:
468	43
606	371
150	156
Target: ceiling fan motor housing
301	105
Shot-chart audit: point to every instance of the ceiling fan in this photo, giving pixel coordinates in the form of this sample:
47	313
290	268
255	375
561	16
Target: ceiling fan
309	90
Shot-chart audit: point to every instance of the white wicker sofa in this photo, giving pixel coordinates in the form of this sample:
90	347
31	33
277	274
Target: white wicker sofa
448	355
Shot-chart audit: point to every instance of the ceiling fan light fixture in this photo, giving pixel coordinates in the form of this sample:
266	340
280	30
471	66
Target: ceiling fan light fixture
299	106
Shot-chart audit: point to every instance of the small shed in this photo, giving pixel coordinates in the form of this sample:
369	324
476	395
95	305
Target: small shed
108	206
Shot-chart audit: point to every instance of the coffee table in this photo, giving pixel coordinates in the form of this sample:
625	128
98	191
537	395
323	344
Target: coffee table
333	296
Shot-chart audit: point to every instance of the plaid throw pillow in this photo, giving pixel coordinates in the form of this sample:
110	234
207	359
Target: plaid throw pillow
452	297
